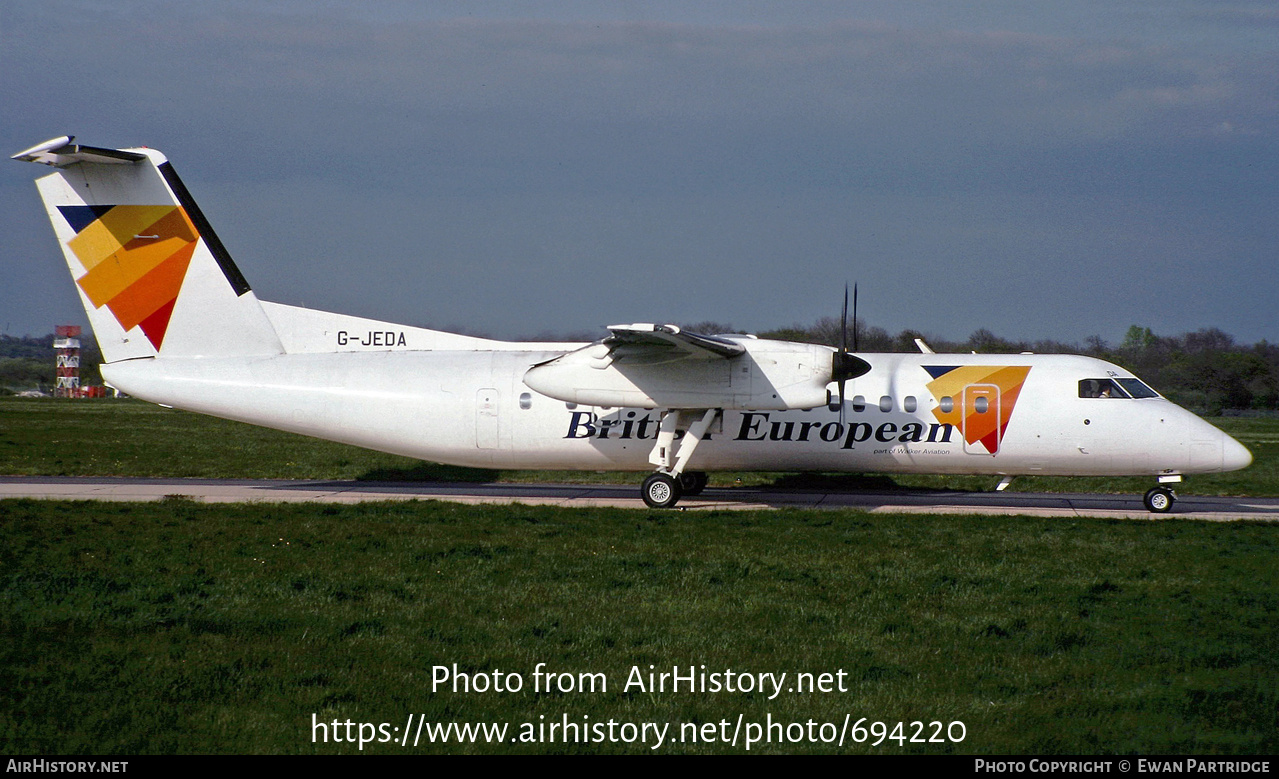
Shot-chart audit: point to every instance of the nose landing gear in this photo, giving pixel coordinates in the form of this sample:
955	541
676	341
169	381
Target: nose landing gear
1159	500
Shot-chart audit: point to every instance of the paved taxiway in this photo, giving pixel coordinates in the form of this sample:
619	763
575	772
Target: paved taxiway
627	496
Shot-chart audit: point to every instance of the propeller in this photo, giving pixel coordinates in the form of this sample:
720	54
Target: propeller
844	364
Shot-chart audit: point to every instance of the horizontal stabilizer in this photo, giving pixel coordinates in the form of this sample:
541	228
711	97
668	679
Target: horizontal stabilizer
63	151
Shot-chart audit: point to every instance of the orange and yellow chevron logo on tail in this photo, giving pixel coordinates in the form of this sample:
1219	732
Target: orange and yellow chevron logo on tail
965	383
134	258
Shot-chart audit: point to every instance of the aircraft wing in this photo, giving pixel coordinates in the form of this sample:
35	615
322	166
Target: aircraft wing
662	366
671	341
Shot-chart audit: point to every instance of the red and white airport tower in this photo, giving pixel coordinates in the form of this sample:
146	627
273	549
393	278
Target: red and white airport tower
67	343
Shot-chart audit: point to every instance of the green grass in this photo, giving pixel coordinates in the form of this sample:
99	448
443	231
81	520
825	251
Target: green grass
44	437
48	437
182	627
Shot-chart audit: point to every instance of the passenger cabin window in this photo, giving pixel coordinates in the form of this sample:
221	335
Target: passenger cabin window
886	403
947	404
981	405
909	404
526	400
859	403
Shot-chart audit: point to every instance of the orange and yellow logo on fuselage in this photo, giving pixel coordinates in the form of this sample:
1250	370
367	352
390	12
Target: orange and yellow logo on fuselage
982	398
135	258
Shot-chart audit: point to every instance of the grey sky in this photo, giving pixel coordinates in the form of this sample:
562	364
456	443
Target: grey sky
1044	170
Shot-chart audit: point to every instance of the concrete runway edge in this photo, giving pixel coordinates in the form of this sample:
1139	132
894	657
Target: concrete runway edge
627	496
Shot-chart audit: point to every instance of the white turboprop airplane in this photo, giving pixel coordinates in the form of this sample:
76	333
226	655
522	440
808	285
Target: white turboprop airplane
178	325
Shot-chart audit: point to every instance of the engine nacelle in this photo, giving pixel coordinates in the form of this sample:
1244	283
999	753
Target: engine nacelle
769	375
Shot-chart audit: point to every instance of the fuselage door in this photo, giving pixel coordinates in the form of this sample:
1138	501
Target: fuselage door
981	414
486	419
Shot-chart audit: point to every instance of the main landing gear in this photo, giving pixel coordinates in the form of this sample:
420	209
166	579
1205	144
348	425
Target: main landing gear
693	482
662	490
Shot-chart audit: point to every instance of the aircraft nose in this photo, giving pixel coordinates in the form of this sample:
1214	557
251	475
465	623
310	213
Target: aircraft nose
1234	455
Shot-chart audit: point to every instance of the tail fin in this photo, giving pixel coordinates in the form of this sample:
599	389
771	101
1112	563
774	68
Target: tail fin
152	275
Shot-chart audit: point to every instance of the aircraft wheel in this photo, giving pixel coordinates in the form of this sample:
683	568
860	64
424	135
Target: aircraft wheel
661	491
1159	500
693	482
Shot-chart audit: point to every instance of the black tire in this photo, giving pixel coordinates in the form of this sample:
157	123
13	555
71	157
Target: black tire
1159	500
661	491
693	482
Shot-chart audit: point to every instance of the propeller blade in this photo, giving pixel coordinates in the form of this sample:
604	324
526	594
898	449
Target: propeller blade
843	323
846	365
843	349
855	349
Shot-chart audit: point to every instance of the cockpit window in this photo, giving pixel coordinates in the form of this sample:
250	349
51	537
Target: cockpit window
1137	389
1115	388
1100	388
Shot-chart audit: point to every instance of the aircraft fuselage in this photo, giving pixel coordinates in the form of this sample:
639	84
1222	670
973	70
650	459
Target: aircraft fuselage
1010	415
